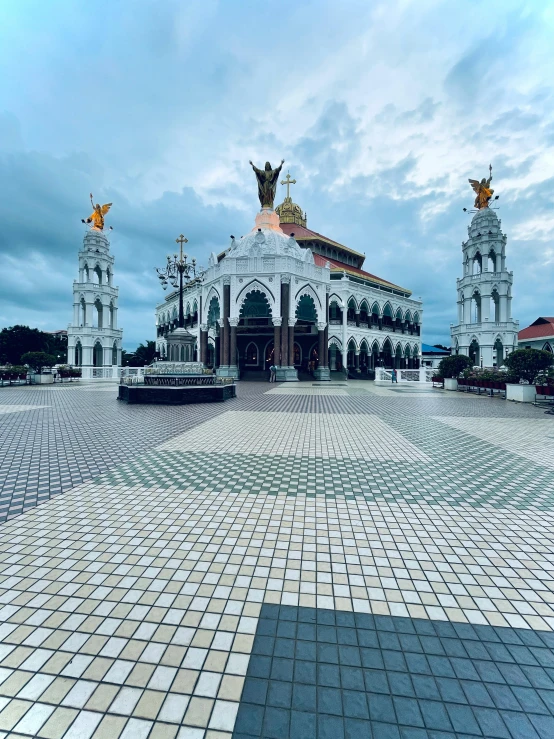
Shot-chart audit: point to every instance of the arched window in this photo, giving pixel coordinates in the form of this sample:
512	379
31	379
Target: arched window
99	313
547	348
251	355
112	315
82	312
78	354
98	275
114	353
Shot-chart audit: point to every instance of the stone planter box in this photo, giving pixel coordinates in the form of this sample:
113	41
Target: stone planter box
520	393
450	383
42	379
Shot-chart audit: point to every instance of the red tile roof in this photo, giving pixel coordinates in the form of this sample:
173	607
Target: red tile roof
305	234
542	328
340	267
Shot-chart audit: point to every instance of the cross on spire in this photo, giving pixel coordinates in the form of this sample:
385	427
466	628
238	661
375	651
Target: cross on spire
288	182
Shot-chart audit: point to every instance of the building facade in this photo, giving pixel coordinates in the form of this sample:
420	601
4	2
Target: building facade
485	331
287	296
539	335
93	338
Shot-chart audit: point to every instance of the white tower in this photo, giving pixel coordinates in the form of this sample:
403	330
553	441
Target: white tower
93	339
485	330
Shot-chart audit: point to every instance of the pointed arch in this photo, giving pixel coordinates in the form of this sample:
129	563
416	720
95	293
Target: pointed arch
252	286
408	316
364	346
387	310
307	289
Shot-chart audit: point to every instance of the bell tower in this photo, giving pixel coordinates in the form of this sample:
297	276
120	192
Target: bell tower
485	331
93	339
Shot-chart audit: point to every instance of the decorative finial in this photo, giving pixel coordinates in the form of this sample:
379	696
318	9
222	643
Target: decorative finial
288	182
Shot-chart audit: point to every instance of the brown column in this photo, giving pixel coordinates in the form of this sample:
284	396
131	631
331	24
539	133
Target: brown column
326	332
285	289
321	347
221	342
291	345
226	312
277	342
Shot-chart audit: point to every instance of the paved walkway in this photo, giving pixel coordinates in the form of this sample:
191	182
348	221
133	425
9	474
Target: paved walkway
302	561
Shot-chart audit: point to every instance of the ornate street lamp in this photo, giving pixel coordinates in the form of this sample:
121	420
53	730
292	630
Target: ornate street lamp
176	267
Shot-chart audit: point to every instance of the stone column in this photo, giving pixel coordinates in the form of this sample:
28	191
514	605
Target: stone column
277	341
285	292
226	314
217	352
204	343
344	351
233	322
485	307
326	336
467	310
503	308
221	342
322	371
292	323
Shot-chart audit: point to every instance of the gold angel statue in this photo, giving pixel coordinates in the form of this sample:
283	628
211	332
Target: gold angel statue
482	190
97	215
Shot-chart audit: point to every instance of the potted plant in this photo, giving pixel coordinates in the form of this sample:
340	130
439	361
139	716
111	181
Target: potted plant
40	365
451	367
524	366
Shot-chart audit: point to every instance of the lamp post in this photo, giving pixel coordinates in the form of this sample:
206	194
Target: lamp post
176	267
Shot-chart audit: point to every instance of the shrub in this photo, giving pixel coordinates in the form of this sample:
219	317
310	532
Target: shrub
527	363
38	360
452	366
546	377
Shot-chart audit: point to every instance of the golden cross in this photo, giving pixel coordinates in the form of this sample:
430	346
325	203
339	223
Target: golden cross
181	240
288	182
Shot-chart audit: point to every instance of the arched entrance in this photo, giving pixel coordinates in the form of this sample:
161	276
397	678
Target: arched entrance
474	352
364	358
398	357
97	358
387	354
499	350
306	318
78	354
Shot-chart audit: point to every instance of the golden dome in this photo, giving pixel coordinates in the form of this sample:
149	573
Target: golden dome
290	212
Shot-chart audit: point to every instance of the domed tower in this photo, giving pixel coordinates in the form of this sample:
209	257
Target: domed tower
288	211
93	339
485	331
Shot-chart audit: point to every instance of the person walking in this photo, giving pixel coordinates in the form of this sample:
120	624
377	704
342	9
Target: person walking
272	373
394	376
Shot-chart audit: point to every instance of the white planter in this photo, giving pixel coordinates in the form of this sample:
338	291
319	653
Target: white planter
450	383
42	379
520	393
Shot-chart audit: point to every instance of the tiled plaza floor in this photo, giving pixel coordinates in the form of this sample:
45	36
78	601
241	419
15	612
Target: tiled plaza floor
304	562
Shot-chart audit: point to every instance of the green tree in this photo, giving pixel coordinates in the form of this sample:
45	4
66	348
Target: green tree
57	346
144	353
38	360
527	363
453	365
17	340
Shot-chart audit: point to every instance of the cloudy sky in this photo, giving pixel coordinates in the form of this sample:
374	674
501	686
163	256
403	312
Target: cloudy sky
382	110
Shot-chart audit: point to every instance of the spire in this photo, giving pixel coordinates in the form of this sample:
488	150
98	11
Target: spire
288	211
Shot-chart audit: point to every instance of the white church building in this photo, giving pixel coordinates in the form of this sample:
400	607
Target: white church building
93	339
485	331
288	296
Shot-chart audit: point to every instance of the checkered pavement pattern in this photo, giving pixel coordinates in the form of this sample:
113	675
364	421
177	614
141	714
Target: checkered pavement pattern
356	561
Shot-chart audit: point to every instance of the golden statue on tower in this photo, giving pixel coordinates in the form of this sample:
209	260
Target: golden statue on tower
97	215
483	191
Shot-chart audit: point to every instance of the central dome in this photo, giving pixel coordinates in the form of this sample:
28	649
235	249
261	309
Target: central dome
290	212
266	239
